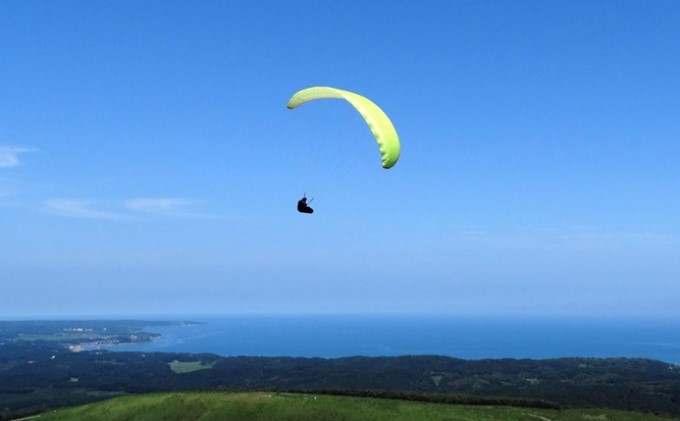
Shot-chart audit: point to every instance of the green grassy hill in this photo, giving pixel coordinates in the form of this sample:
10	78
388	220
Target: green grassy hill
261	406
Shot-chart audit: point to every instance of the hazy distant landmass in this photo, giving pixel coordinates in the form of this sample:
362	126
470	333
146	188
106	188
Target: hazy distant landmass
78	335
41	367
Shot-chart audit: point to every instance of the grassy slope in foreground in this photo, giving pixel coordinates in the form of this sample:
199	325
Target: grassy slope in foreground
261	406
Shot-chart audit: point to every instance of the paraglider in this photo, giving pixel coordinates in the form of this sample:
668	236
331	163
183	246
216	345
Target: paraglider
377	120
380	125
303	205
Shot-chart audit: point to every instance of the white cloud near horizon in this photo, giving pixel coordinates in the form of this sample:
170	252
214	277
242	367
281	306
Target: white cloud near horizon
163	207
74	208
156	205
9	155
166	207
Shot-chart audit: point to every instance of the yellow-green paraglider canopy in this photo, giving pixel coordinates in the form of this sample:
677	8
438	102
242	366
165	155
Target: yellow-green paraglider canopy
377	120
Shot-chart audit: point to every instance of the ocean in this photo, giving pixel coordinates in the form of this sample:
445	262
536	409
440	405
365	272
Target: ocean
330	336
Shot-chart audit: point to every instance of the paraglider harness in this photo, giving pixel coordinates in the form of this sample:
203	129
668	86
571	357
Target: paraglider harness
303	205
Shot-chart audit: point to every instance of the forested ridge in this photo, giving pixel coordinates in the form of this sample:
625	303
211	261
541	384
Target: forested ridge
37	375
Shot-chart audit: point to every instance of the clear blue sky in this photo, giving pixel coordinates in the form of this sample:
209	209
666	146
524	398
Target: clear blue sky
148	163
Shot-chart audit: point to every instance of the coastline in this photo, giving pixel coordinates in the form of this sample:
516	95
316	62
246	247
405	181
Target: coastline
458	337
